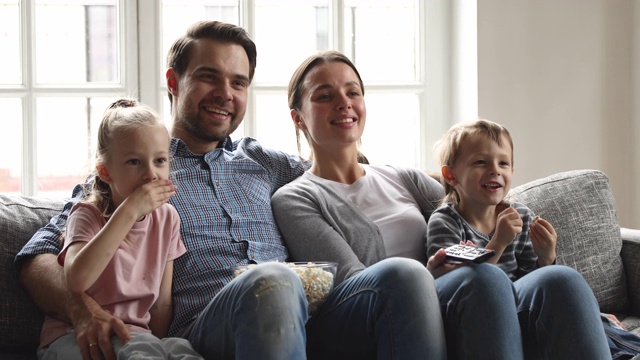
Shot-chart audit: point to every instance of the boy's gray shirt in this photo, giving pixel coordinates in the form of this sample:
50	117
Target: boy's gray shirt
318	225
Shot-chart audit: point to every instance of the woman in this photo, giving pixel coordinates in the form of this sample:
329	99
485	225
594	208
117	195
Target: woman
361	216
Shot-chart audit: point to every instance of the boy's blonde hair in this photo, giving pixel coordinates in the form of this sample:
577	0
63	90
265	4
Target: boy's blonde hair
447	149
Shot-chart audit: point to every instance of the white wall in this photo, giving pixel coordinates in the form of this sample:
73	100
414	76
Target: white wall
562	76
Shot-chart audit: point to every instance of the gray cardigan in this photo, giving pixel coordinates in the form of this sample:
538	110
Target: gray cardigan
318	225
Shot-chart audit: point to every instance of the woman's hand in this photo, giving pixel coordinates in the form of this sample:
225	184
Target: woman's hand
543	238
438	266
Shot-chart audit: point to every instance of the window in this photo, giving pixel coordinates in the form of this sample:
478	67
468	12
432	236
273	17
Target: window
64	64
61	74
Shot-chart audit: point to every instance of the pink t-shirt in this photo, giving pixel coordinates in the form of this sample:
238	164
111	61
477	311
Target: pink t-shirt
129	285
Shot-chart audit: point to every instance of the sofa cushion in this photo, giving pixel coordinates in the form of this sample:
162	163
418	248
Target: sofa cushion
580	206
20	320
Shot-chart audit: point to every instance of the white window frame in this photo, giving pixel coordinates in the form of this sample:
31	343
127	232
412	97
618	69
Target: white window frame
447	83
29	91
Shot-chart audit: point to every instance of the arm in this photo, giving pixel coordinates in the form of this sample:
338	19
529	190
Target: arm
85	261
162	310
43	278
442	231
315	228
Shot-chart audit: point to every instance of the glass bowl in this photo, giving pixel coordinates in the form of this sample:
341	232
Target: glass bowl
316	277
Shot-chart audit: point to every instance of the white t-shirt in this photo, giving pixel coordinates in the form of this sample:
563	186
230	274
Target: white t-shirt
383	198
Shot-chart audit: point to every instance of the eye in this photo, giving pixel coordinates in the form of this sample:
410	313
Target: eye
504	163
162	160
240	84
480	162
133	162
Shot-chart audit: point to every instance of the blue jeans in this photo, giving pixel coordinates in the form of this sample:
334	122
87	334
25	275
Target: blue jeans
550	313
388	311
622	344
259	314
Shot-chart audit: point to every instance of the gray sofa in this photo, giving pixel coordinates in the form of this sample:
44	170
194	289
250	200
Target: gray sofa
578	203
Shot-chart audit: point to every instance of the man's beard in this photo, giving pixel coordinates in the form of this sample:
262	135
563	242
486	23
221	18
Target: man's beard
196	128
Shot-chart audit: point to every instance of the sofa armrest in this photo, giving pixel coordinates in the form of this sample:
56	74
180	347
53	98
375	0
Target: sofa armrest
630	254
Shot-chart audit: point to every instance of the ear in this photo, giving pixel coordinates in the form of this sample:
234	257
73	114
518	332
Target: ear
172	82
103	173
448	175
297	120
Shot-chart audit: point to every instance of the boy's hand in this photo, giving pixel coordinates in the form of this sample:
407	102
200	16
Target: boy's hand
508	225
543	238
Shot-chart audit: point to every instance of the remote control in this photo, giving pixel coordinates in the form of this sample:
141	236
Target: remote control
468	254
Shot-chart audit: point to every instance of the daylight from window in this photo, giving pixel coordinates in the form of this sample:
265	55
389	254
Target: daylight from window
68	61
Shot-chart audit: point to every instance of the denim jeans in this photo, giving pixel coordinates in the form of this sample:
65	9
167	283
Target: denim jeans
388	311
260	314
550	313
622	344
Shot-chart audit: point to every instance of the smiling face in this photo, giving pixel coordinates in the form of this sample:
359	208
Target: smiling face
333	112
138	156
210	97
482	173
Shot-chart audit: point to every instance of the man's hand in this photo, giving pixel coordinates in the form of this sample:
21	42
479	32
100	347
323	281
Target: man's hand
94	328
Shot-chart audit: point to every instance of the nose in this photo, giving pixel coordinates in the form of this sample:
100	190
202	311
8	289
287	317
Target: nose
495	169
343	102
149	174
223	91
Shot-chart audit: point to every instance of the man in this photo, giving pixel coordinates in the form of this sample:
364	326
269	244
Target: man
223	198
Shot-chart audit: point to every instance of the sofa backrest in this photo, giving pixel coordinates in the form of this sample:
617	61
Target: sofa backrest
580	206
20	320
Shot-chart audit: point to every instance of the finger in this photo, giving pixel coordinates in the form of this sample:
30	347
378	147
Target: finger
83	344
121	331
437	260
94	351
105	349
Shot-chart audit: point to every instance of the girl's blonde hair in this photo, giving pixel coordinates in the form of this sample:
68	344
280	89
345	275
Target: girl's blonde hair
121	116
447	149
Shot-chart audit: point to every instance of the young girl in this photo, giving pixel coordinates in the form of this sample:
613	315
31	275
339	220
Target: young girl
121	242
477	166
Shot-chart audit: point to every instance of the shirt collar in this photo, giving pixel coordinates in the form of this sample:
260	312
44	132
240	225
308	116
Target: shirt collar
180	148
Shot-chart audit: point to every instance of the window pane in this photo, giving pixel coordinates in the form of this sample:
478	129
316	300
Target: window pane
286	33
392	130
88	35
274	127
178	15
11	130
66	143
382	39
10	42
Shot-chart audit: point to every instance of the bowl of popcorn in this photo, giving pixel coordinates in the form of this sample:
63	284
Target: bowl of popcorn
316	278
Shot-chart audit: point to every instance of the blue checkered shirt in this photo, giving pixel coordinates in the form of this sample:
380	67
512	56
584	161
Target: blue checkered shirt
224	202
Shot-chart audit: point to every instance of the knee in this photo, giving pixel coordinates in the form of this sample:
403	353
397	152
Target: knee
274	276
402	271
560	279
479	279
